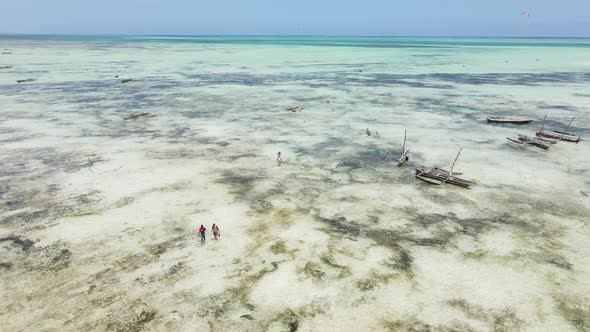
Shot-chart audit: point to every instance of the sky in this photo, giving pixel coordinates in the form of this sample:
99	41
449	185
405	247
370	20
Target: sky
559	18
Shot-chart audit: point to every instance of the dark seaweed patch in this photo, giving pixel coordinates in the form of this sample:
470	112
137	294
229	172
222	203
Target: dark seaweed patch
559	261
49	258
262	206
25	217
575	309
353	164
402	261
344	271
22	243
160	248
175	273
529	79
133	262
442	230
182	153
240	181
504	320
278	248
367	284
6	266
342	226
290	319
81	205
132	319
412	324
440	237
313	271
237	297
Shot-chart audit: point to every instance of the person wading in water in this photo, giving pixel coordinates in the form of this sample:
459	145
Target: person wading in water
215	231
202	231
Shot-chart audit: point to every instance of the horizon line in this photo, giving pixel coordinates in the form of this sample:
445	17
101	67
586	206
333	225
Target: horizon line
286	35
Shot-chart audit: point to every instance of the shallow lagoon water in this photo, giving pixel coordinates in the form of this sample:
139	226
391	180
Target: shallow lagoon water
98	216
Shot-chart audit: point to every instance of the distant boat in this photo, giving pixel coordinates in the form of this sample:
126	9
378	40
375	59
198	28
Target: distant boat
511	121
523	139
560	135
136	115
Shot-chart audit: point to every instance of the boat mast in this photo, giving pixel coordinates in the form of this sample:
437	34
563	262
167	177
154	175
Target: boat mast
453	165
543	125
404	148
568	127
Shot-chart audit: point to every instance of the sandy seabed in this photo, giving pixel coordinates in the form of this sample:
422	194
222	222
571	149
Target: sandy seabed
99	216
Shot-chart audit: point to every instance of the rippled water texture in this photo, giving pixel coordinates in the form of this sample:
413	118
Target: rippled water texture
98	215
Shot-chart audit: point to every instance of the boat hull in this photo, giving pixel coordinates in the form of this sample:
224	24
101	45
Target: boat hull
439	176
560	136
509	121
522	139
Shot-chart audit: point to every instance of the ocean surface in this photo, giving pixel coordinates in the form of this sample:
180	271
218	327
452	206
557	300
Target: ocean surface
99	215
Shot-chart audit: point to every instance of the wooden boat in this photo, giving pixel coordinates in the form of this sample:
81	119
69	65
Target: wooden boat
25	80
439	176
548	141
442	170
427	180
138	115
127	80
510	121
560	136
523	139
295	108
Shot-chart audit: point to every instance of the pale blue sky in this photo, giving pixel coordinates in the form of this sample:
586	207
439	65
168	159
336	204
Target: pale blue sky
301	17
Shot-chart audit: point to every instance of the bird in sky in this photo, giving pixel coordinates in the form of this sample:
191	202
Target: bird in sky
526	12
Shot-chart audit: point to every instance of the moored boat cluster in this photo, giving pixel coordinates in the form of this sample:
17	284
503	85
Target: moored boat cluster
543	140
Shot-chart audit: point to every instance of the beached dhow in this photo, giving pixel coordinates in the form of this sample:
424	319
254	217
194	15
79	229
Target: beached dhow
537	142
438	176
560	135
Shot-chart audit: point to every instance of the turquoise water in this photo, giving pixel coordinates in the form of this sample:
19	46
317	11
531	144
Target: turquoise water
322	41
105	210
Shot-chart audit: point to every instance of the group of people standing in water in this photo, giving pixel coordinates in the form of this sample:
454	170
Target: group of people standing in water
214	231
215	228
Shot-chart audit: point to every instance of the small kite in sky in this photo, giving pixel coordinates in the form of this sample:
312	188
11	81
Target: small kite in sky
527	13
